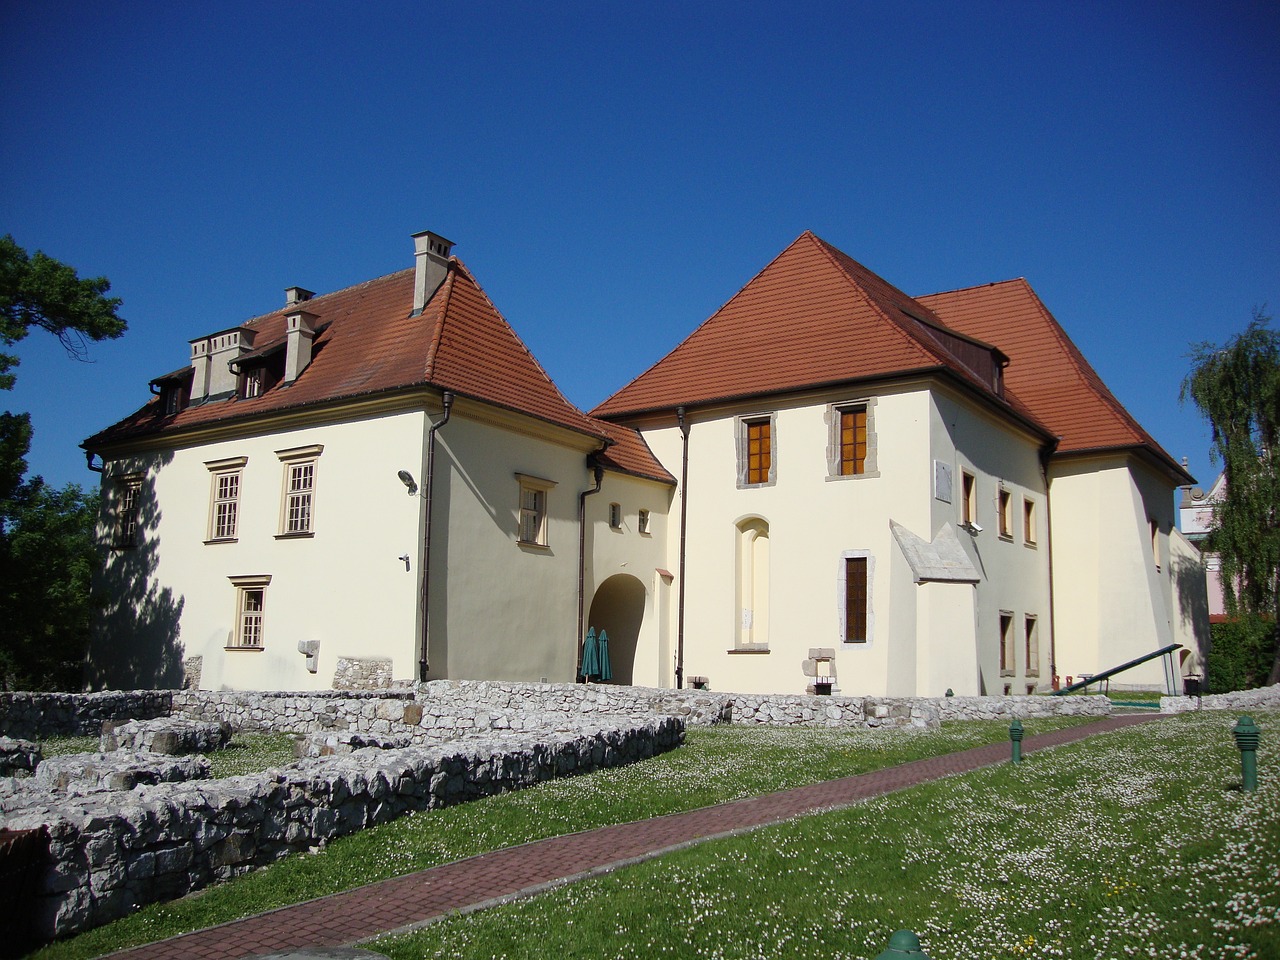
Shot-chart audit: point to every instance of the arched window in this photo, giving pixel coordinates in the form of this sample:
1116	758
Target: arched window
752	562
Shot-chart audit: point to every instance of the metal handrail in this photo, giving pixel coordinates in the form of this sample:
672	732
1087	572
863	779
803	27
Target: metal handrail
1107	674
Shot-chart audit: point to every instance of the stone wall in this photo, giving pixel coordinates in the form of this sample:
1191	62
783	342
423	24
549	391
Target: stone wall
38	715
1267	698
362	673
112	851
1006	708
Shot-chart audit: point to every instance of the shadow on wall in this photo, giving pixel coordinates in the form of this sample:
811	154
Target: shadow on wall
1192	591
618	609
134	638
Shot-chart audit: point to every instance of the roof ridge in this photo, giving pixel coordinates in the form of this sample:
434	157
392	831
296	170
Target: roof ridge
976	286
442	311
299	305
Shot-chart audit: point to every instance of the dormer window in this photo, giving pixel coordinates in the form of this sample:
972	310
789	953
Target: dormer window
174	398
259	374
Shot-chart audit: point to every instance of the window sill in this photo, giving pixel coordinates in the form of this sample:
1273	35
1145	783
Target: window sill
1030	544
747	650
865	475
533	545
211	542
300	535
854	643
243	649
1006	673
1006	537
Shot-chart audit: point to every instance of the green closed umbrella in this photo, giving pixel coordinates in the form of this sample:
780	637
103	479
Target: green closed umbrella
590	655
602	645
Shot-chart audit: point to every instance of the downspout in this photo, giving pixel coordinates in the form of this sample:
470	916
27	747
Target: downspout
684	516
446	399
1045	453
598	469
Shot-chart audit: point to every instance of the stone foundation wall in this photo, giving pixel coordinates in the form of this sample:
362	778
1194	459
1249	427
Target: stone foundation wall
362	673
111	851
37	715
1262	698
1006	708
18	758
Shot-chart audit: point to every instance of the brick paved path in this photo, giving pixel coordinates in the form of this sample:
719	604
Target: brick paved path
347	918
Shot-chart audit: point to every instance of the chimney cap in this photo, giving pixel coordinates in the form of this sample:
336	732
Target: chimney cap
428	241
294	295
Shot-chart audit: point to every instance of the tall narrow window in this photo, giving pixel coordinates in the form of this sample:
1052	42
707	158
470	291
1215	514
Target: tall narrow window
753	584
297	512
642	521
853	440
128	506
1006	644
1032	635
1005	504
224	499
532	530
969	503
759	451
1028	521
615	516
251	595
1155	542
855	600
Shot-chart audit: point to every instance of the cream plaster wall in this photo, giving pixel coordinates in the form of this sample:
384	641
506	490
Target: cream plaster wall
343	587
502	609
1015	573
1114	600
626	552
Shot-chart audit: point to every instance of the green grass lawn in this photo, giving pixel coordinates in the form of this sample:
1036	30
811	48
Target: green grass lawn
1138	843
715	764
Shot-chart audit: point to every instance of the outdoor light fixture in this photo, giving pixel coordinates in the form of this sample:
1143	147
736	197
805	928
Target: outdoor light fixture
407	479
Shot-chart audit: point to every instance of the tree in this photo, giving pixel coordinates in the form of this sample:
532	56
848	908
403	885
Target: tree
1236	386
46	535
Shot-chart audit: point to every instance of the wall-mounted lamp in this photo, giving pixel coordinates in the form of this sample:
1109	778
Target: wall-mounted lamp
405	558
407	479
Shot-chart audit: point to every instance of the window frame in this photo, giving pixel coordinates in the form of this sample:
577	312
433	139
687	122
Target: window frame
1031	643
843	599
126	511
742	430
220	470
247	587
1030	535
540	488
615	516
642	522
1008	652
968	498
1004	512
836	460
293	459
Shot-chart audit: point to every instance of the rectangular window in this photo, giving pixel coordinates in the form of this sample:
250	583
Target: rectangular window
969	501
533	510
642	522
853	440
759	451
615	516
1006	509
224	499
855	600
298	503
1032	646
1155	543
128	506
1029	521
251	595
1006	645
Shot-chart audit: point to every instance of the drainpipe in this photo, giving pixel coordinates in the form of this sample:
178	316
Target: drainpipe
446	399
684	516
1045	453
598	469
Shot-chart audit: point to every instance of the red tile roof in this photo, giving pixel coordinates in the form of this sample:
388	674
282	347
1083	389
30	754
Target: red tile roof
1046	370
813	317
369	344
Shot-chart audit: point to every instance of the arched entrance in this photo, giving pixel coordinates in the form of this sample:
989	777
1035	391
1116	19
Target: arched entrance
618	609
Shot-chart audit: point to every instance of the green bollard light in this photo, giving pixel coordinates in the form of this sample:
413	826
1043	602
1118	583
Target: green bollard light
1015	737
903	945
1247	735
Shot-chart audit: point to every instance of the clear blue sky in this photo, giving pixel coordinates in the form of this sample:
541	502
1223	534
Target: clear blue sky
612	173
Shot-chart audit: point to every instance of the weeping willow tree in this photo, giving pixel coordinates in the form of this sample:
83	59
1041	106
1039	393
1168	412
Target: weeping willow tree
1236	386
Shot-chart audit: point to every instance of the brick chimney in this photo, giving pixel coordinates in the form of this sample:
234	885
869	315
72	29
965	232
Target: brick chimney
431	265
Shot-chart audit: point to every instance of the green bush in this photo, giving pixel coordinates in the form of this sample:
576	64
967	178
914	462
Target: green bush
1241	653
